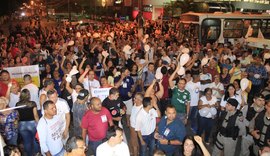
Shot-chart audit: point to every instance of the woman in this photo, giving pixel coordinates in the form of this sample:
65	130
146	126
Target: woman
27	123
217	88
190	146
98	67
8	123
206	121
230	93
225	77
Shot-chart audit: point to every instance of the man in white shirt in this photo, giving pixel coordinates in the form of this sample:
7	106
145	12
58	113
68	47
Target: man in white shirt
89	81
115	145
206	79
62	110
33	89
49	131
138	98
194	88
145	125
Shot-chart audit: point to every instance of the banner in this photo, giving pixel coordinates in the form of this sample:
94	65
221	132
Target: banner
17	73
101	93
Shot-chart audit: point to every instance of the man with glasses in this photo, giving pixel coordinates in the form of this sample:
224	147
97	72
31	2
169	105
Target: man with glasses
75	147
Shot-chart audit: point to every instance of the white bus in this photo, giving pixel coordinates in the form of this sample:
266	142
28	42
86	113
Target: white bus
222	27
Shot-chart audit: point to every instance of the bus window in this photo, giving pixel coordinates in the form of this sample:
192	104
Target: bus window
233	28
210	30
255	24
265	28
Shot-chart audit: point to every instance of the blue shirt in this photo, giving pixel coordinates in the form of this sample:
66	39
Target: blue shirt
173	131
125	87
260	70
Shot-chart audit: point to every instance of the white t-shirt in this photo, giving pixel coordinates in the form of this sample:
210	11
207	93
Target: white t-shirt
13	99
87	84
216	86
205	77
74	95
50	134
167	59
146	122
119	150
206	102
62	109
33	89
134	112
194	90
237	97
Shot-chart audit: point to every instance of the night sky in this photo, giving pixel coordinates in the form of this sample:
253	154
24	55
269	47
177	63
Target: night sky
9	6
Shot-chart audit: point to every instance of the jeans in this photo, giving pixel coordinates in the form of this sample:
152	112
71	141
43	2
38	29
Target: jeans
149	142
92	145
193	116
205	125
61	153
27	130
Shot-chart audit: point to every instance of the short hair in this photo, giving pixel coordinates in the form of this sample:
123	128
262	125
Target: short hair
47	103
4	71
140	95
146	101
72	143
113	91
111	132
206	90
158	152
123	69
9	149
91	100
164	70
48	82
170	106
27	76
50	92
151	63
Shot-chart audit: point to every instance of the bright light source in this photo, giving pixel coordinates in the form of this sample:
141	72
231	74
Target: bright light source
22	14
81	22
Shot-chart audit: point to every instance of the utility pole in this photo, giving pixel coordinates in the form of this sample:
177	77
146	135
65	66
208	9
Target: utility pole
69	13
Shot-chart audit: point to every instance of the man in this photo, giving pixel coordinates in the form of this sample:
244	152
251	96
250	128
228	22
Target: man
115	105
180	97
145	125
170	132
114	145
49	130
138	98
256	73
231	125
79	108
89	81
104	82
62	110
96	130
148	76
194	88
33	89
252	111
205	78
75	146
125	84
48	85
260	129
4	81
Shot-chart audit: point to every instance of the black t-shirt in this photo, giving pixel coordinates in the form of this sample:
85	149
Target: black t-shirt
114	106
26	113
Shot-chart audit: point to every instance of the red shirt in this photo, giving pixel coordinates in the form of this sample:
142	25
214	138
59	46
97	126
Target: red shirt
96	124
165	84
3	89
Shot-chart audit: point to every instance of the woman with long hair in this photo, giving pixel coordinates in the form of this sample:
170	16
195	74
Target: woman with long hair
230	93
27	123
190	146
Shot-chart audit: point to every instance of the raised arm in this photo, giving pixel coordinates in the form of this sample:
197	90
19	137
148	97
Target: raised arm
81	78
171	83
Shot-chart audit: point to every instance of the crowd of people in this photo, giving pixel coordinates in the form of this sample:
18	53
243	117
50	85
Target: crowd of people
163	86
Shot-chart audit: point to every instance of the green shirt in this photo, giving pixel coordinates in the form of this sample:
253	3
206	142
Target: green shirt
180	99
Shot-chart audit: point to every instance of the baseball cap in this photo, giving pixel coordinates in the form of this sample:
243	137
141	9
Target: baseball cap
233	102
82	94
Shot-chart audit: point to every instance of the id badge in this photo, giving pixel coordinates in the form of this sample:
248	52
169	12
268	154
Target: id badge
167	131
125	85
104	118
